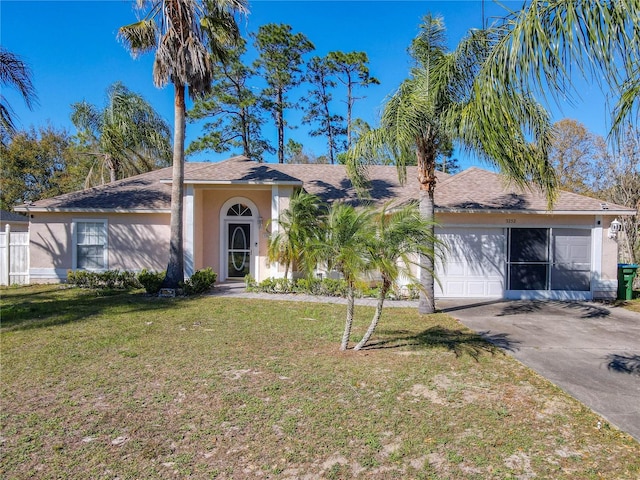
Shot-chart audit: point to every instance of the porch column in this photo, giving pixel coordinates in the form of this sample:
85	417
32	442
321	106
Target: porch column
597	283
189	230
275	212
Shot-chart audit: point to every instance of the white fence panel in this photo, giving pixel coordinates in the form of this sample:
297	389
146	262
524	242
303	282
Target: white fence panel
14	258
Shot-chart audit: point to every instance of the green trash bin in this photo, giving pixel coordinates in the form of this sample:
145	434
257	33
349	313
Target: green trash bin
626	274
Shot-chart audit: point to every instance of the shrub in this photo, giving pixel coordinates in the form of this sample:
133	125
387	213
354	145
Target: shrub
200	282
250	283
151	281
334	287
110	279
311	286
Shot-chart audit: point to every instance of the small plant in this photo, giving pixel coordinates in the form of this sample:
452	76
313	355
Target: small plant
200	282
250	282
151	281
334	287
311	286
110	279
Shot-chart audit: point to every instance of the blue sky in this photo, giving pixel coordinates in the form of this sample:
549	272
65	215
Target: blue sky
73	52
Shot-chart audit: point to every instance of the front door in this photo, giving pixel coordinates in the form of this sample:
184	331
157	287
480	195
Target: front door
238	249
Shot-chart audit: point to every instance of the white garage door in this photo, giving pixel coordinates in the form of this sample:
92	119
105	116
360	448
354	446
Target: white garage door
474	263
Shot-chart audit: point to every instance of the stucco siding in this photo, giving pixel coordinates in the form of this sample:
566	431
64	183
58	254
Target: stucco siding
134	242
208	243
50	244
138	241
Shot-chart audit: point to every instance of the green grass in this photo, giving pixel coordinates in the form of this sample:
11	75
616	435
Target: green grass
126	386
633	305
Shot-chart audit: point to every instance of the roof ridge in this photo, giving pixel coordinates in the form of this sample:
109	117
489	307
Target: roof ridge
456	176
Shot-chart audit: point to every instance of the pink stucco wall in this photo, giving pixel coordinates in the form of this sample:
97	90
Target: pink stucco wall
207	209
135	241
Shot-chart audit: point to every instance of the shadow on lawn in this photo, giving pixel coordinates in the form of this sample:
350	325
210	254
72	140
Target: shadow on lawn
459	342
56	305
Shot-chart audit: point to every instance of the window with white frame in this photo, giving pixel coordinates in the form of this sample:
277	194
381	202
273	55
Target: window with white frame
91	245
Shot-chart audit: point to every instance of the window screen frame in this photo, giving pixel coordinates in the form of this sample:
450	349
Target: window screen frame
105	244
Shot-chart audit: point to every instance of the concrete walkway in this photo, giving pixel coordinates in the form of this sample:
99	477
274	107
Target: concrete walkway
590	350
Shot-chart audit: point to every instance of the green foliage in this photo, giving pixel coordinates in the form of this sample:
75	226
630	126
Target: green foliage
320	74
233	111
298	225
151	281
279	61
334	287
352	71
200	282
249	282
15	74
130	136
328	287
111	279
39	164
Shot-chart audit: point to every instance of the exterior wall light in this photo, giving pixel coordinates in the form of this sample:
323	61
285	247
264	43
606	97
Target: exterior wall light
614	229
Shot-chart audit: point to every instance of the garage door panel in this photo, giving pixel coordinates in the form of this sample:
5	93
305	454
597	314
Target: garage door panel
455	288
495	288
476	289
474	262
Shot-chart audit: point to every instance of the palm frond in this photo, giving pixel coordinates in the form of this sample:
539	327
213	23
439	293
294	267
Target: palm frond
139	37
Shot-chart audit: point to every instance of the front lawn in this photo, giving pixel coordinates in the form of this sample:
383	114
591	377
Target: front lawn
127	386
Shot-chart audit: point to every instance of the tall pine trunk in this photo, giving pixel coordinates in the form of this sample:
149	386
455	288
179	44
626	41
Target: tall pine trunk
175	267
280	125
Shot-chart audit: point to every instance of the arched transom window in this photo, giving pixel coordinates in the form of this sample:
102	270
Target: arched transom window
239	210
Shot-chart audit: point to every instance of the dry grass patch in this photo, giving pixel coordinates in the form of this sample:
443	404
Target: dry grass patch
126	386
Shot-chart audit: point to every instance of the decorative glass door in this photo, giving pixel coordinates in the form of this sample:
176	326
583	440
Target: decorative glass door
239	249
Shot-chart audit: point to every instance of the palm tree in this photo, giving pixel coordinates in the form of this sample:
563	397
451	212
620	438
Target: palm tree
399	234
130	135
179	31
13	73
542	44
297	226
343	248
438	106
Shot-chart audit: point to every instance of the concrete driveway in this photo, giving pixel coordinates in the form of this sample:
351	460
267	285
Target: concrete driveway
590	350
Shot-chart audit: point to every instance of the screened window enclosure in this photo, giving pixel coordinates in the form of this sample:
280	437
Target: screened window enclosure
549	259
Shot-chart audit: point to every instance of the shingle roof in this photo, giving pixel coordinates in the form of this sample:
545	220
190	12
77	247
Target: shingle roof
471	191
141	192
480	190
6	216
237	170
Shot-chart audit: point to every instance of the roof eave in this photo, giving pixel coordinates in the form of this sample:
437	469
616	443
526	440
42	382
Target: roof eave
34	209
535	212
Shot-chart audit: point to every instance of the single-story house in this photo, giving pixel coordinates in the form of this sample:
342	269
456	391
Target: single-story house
502	242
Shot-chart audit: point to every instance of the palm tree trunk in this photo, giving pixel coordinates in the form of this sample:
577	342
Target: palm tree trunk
427	303
376	316
175	267
349	322
426	159
111	165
